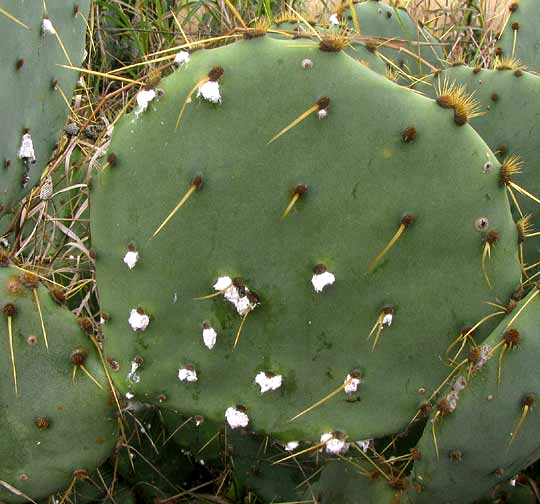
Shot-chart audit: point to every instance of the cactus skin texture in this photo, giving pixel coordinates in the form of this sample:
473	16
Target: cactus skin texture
341	481
153	467
380	20
357	51
519	39
100	487
480	427
251	456
510	109
360	187
32	84
519	493
55	426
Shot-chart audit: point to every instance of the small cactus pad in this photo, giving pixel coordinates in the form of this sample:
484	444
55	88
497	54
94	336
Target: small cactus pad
509	106
54	428
379	158
151	465
421	51
346	482
253	459
36	39
519	40
479	443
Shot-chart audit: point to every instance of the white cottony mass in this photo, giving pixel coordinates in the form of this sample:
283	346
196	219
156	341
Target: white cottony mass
334	20
334	445
138	321
181	58
187	374
350	384
231	293
26	150
321	280
143	99
131	258
47	26
209	336
210	91
268	381
236	418
292	445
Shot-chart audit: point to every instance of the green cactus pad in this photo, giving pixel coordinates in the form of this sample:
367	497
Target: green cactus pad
380	20
195	435
509	114
362	177
153	466
253	460
55	426
32	84
357	51
476	449
519	40
342	481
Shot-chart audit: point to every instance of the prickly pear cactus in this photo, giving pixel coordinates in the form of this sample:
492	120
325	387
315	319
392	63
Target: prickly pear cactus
368	163
36	91
348	482
420	52
508	113
58	421
492	432
290	27
520	39
150	463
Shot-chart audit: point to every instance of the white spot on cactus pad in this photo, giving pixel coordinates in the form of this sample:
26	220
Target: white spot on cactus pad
387	320
459	384
333	19
209	335
292	445
322	113
132	375
130	395
223	283
232	294
307	64
268	381
210	91
334	445
236	418
26	150
182	58
485	355
131	258
138	321
143	99
452	399
321	280
364	444
242	303
187	374
350	384
47	26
